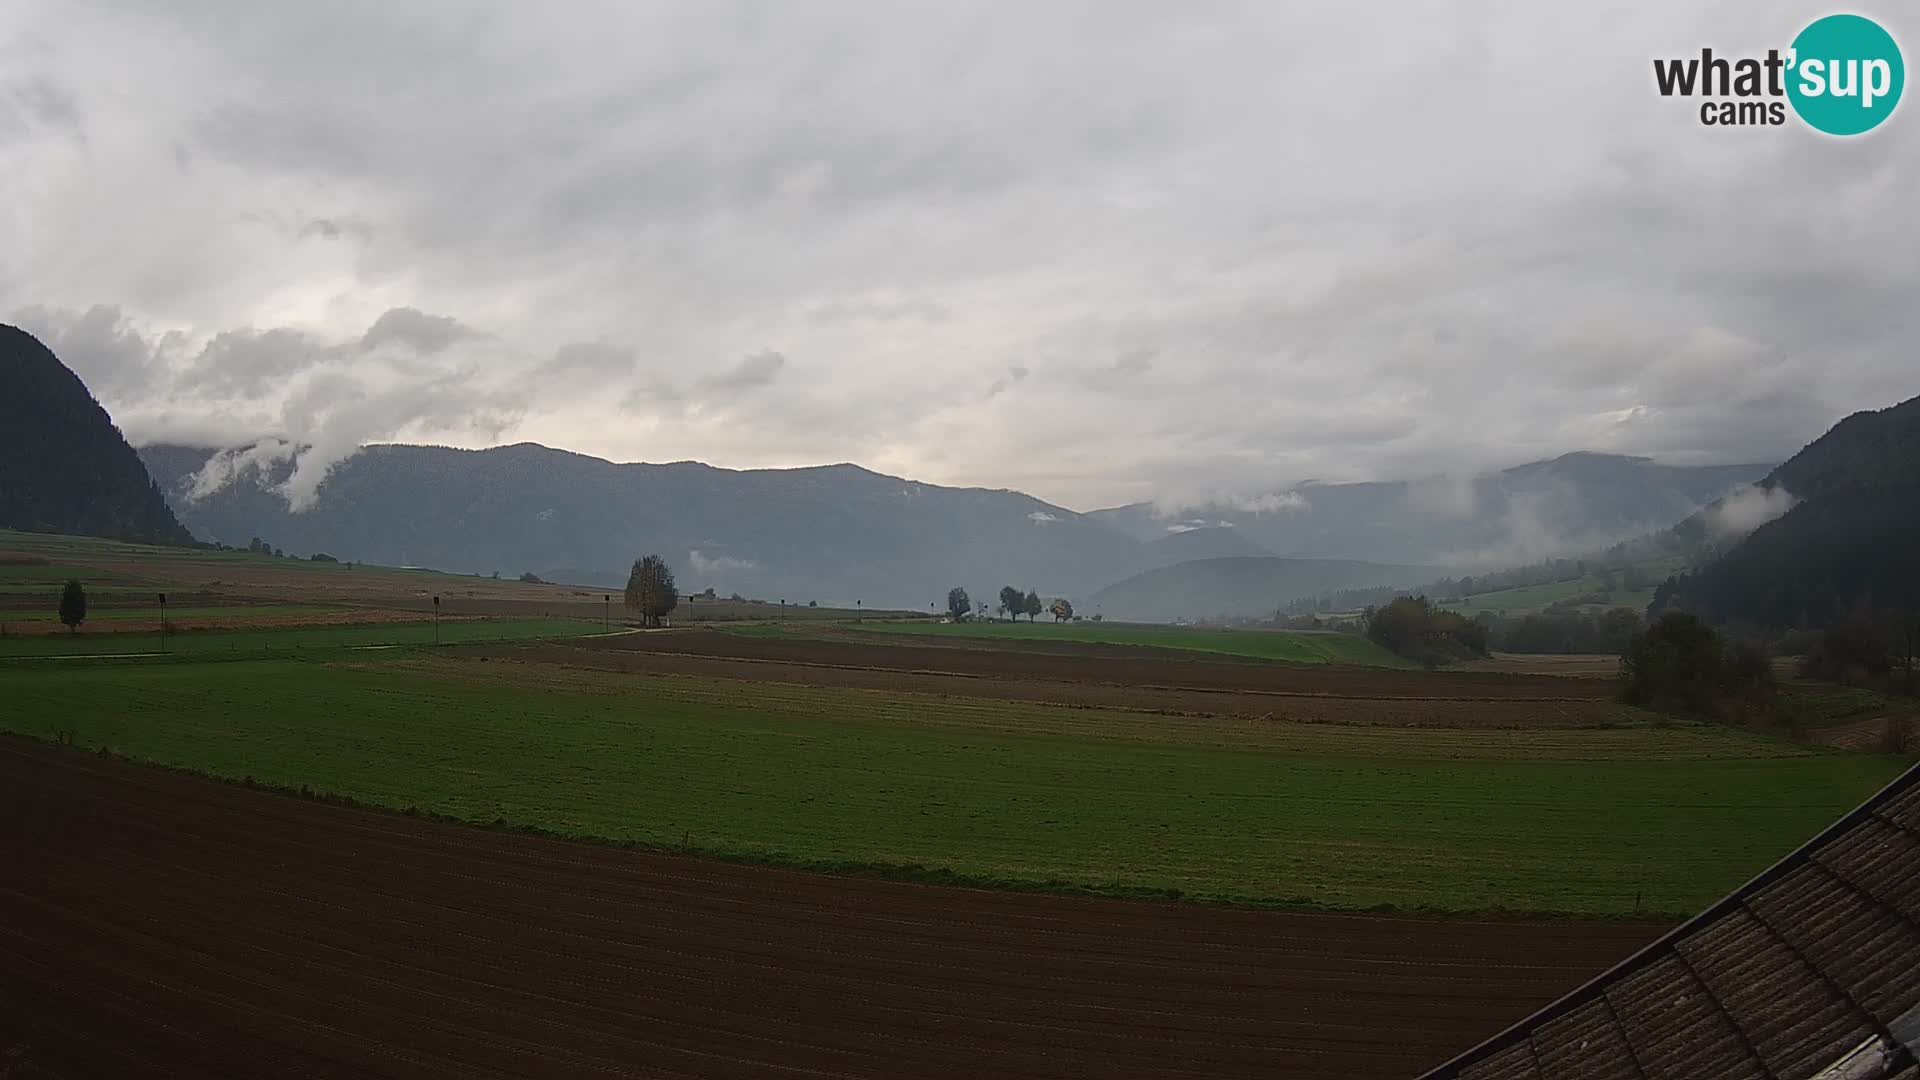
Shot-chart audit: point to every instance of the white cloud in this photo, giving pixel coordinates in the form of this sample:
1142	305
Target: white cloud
718	566
230	465
1273	502
1749	508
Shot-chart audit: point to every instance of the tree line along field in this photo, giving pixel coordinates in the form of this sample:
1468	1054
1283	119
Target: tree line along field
1653	818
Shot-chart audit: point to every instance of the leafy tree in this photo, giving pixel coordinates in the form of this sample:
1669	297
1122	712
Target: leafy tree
1857	649
958	603
650	589
321	556
1062	610
1680	663
1012	602
1412	627
531	578
73	605
1031	605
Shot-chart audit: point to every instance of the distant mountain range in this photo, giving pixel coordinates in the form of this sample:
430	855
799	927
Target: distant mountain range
1833	531
64	467
840	533
1576	502
835	533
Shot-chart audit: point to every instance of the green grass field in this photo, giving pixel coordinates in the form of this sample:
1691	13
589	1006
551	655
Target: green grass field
1532	598
1291	646
291	638
992	791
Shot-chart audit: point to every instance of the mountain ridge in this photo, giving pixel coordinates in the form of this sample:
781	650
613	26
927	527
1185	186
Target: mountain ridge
1831	532
64	466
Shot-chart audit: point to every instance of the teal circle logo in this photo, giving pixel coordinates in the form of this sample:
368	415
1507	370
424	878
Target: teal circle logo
1846	74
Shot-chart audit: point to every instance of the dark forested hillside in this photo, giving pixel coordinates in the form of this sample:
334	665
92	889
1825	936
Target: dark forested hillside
1851	540
64	467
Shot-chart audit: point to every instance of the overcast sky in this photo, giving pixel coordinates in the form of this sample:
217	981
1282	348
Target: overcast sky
1097	252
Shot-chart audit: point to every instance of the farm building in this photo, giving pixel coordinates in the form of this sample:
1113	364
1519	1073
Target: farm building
1810	971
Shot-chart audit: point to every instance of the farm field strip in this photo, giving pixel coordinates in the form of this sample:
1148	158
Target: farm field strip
792	778
1290	646
1578	731
1133	665
358	629
446	950
555	660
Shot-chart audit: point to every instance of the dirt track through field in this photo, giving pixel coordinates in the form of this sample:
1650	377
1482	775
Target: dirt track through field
158	923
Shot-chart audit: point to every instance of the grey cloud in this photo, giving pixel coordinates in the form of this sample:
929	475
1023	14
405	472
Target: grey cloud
751	373
415	329
39	102
99	344
329	228
1015	375
252	361
1134	361
1255	285
596	359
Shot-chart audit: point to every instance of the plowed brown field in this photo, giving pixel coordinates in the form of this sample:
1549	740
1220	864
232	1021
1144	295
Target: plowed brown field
158	923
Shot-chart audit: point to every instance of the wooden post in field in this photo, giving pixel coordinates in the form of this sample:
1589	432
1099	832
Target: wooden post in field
606	613
436	620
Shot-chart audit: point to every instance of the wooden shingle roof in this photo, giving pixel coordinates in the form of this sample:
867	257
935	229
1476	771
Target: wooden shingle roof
1810	971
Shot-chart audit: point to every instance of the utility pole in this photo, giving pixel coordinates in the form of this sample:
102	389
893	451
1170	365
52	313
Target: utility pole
606	613
436	620
163	623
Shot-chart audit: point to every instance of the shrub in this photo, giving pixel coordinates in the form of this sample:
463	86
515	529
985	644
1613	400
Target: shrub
1412	627
1682	664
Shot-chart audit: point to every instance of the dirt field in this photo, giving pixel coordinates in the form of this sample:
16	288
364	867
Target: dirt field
1576	665
1111	665
157	923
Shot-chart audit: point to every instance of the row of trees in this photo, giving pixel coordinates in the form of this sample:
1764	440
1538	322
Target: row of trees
1013	602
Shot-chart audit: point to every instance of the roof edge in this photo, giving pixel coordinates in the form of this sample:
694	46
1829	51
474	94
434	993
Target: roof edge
1595	986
